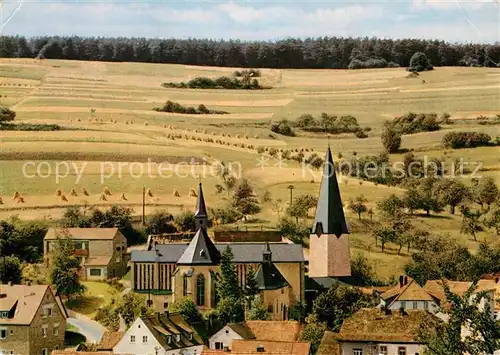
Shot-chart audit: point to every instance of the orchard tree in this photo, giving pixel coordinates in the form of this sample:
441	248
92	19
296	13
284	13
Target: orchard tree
358	205
471	223
161	222
391	139
244	199
391	206
452	193
493	220
485	192
301	205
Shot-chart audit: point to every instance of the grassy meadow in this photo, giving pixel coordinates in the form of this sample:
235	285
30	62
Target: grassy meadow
113	131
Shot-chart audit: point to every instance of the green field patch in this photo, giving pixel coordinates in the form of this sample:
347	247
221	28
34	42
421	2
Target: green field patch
9	71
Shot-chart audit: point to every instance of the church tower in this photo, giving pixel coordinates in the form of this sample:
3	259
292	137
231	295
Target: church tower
200	214
329	254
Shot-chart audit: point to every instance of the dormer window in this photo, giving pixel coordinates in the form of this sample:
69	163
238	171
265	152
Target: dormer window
169	339
177	337
202	253
4	314
190	336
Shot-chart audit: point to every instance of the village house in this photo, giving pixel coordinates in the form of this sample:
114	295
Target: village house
408	294
272	331
160	334
168	272
109	340
103	250
378	331
32	320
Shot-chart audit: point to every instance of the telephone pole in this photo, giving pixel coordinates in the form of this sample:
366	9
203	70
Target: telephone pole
143	205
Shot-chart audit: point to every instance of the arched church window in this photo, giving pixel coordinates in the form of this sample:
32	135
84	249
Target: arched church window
200	290
185	286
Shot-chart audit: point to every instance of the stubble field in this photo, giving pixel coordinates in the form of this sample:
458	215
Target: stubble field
123	129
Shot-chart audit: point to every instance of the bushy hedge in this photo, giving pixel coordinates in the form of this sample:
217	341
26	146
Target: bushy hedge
29	127
283	127
255	73
331	124
222	82
176	107
458	140
415	123
6	114
371	63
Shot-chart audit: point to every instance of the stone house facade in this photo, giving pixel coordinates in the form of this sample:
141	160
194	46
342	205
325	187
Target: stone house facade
33	320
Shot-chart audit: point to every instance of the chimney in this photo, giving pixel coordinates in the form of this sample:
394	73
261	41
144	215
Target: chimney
401	281
406	280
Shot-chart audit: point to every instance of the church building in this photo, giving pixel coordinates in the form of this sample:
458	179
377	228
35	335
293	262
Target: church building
168	272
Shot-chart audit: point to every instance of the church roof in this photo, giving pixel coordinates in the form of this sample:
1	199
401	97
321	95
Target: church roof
243	252
268	277
201	250
201	209
329	217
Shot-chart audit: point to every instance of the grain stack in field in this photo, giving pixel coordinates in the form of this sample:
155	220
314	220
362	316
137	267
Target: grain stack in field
106	191
176	193
64	198
85	192
122	197
1	201
149	193
58	192
20	199
102	197
16	195
73	192
192	193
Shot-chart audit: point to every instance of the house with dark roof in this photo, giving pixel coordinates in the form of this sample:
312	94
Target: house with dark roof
167	272
379	331
160	334
271	331
103	251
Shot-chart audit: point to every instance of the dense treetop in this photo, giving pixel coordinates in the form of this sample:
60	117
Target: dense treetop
323	52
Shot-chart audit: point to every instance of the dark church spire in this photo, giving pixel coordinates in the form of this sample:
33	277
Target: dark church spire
329	217
200	251
200	214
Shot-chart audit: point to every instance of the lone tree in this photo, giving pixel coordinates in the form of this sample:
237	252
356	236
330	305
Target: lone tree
452	192
230	307
301	205
391	139
6	114
65	267
358	205
419	62
244	199
10	270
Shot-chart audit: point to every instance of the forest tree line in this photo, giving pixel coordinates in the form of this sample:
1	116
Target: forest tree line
323	52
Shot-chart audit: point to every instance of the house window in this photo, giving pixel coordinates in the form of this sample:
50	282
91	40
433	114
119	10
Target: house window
426	305
185	286
415	305
5	314
47	312
270	308
357	351
403	304
190	336
132	338
200	290
219	345
44	331
401	351
45	351
177	337
95	272
118	259
3	333
382	350
169	339
56	329
144	338
165	305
